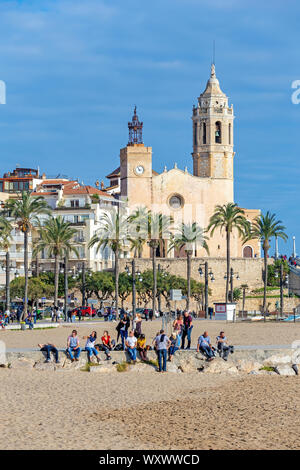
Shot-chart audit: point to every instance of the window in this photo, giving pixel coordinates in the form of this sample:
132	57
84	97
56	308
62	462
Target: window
218	136
176	201
229	134
75	203
195	133
204	133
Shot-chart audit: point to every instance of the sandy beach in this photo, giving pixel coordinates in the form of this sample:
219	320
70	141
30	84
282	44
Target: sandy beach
77	410
237	333
72	409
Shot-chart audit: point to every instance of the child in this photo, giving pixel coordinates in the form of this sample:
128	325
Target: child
142	348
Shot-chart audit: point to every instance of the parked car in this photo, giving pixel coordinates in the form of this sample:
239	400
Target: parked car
85	311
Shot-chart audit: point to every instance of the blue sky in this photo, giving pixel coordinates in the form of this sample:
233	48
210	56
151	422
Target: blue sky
75	69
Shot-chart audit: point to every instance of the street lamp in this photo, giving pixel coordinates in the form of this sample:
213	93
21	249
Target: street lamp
231	276
282	283
207	275
8	268
134	273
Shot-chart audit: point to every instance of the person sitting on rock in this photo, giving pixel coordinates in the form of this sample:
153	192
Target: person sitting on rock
48	348
107	344
204	346
73	346
131	346
142	348
90	346
222	346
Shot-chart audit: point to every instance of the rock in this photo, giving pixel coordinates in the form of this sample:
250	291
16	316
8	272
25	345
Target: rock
276	360
219	366
188	363
45	366
295	369
172	367
285	370
262	372
102	369
141	367
296	356
22	363
74	365
247	366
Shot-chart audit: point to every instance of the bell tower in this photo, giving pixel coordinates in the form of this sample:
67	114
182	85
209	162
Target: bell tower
213	133
136	166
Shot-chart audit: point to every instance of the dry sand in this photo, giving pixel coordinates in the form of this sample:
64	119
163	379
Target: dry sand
146	410
78	410
237	333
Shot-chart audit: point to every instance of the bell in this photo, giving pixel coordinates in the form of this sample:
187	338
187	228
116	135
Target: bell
217	134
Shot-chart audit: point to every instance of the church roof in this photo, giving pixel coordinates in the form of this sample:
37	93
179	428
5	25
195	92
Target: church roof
213	85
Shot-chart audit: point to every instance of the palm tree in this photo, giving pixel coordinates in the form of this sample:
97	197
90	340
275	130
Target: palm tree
157	226
137	235
229	217
264	228
25	211
113	234
5	242
56	236
188	236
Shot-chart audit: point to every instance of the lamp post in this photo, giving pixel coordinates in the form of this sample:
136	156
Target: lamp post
8	267
133	274
207	275
66	287
282	283
294	247
232	274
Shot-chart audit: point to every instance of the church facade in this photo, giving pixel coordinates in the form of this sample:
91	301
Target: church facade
188	197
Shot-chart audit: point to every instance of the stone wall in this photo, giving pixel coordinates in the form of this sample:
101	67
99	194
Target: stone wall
249	270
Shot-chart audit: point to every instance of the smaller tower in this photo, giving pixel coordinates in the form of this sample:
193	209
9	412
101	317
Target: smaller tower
136	166
135	130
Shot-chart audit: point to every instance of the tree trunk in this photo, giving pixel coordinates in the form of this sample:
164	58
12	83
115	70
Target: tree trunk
244	299
7	283
56	278
117	281
37	265
227	264
265	282
188	276
26	274
154	279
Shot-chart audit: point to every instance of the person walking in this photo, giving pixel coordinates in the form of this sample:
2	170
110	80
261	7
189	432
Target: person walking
90	346
73	346
131	343
186	330
162	344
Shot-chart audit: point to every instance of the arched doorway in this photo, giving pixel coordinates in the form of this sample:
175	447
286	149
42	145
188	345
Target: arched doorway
247	252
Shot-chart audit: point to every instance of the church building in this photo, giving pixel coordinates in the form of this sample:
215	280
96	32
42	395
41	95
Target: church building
188	197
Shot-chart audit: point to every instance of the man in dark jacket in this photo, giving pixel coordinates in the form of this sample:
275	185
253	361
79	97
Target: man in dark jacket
186	329
122	329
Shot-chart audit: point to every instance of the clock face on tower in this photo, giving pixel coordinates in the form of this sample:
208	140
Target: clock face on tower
139	170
